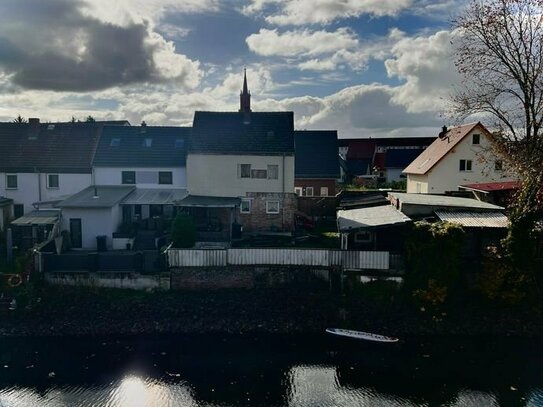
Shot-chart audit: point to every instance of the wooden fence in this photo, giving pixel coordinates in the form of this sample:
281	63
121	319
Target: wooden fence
348	260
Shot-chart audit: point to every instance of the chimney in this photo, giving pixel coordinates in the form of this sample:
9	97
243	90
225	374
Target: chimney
33	128
443	133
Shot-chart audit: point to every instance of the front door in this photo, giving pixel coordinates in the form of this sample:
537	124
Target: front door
75	233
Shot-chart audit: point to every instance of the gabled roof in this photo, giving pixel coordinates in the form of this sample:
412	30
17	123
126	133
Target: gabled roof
440	148
359	167
442	201
58	147
260	133
99	196
316	154
142	146
401	158
371	217
361	149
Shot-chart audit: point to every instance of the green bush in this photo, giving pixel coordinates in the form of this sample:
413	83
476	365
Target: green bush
183	231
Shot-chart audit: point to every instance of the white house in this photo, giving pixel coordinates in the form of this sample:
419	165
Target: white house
43	162
461	155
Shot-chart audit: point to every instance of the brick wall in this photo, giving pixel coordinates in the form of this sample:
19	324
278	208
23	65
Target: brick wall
316	184
260	221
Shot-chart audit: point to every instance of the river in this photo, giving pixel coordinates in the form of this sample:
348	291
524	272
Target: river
269	370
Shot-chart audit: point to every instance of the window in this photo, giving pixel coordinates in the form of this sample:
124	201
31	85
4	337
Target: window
245	206
298	191
115	142
273	171
11	181
52	181
165	177
476	139
465	165
272	207
129	177
309	191
147	142
498	165
18	210
245	170
324	191
362	237
260	174
179	143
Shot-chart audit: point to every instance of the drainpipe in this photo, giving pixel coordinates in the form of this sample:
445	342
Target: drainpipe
39	185
283	179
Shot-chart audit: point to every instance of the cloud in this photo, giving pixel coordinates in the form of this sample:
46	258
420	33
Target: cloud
55	45
425	64
300	12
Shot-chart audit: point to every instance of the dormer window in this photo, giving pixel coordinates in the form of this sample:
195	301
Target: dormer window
147	142
179	143
476	139
115	142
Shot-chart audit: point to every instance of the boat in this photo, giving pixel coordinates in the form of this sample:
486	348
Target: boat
361	335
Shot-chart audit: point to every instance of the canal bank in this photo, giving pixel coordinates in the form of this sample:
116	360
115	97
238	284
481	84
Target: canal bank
83	311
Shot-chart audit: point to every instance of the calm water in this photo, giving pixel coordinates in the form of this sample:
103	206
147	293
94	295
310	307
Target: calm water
269	371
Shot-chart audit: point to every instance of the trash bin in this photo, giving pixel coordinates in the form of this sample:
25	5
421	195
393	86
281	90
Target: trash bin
101	243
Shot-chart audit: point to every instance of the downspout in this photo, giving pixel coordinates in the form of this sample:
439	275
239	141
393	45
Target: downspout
39	186
283	179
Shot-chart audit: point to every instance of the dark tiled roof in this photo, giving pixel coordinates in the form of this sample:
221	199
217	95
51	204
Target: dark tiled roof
359	167
401	158
59	147
316	154
241	133
128	146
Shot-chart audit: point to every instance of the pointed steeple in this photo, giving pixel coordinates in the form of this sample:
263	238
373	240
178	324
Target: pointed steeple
245	96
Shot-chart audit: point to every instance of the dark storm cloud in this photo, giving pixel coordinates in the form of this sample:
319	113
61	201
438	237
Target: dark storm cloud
52	45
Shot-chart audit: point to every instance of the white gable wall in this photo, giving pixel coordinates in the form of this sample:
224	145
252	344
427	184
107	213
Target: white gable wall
446	174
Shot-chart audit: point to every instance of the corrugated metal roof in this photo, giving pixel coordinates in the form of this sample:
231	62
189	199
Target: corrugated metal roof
209	201
99	196
351	219
142	196
442	200
492	186
37	218
474	219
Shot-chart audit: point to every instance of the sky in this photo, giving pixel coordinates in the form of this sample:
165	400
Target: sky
367	68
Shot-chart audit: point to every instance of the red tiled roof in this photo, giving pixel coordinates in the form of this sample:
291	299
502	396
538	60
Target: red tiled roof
493	186
361	149
440	148
379	160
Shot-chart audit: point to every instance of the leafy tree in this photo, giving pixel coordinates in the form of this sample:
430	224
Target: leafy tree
500	58
183	231
90	119
19	119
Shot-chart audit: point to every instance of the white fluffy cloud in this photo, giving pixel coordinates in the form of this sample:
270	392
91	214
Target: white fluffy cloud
300	12
425	64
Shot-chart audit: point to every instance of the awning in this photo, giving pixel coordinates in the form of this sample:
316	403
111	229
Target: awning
473	219
37	218
363	218
199	201
143	196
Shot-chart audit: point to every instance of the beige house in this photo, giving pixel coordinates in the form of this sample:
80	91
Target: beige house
461	155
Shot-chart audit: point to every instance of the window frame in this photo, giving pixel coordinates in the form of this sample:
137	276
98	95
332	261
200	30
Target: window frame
115	142
324	188
307	189
270	211
147	142
298	191
498	165
478	143
275	167
467	164
241	209
126	173
241	172
48	183
12	176
165	173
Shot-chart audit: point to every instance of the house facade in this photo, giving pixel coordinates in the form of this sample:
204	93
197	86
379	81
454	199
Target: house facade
459	156
44	162
316	163
240	170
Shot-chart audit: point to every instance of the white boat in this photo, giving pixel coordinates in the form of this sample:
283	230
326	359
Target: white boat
361	335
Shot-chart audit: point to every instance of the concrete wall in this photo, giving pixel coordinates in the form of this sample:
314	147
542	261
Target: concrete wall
32	187
132	281
113	176
417	184
218	175
94	222
446	175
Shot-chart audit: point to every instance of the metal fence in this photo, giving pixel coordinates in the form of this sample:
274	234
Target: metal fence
349	260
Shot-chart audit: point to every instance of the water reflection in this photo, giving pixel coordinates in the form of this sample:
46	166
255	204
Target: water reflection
267	371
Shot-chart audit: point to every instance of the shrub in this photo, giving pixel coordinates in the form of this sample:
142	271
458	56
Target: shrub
183	231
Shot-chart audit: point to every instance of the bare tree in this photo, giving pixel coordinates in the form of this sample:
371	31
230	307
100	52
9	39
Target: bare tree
19	119
499	55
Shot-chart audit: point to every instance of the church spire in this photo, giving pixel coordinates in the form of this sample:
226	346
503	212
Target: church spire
245	96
